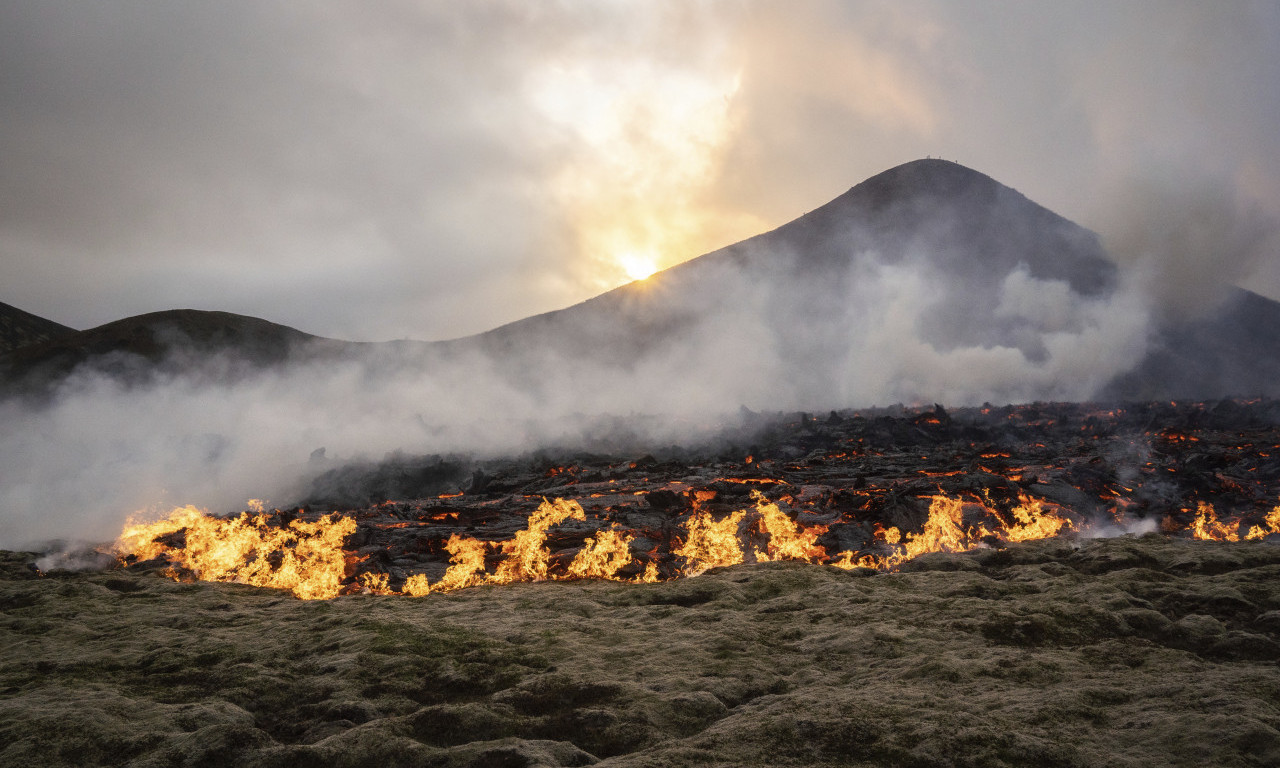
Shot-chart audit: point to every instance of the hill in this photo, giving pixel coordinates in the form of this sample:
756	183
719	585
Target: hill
20	329
174	342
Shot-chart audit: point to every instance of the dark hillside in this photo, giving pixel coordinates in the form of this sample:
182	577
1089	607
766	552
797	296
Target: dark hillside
139	348
21	329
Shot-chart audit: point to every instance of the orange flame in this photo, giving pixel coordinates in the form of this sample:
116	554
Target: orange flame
417	585
376	583
1272	526
308	559
1207	526
602	556
526	559
787	539
943	532
1032	521
711	544
466	564
305	558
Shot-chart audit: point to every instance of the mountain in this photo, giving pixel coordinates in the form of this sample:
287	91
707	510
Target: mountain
927	282
140	348
1233	351
21	329
932	214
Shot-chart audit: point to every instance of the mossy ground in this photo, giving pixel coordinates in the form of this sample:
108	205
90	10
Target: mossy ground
1124	652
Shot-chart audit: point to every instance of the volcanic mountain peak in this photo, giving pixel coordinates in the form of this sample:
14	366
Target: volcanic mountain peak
927	282
959	234
962	221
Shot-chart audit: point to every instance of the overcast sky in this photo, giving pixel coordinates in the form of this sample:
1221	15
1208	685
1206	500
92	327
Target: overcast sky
379	170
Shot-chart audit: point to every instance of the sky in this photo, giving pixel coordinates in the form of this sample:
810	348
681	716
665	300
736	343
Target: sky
428	170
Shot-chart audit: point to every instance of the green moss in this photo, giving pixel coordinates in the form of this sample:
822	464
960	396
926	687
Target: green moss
1127	652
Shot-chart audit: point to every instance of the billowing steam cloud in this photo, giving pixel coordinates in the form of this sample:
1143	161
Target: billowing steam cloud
669	360
436	169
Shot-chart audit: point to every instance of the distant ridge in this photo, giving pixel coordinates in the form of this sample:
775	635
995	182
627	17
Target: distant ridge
136	349
20	329
793	286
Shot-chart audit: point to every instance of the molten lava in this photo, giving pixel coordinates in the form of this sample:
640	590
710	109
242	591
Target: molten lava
645	521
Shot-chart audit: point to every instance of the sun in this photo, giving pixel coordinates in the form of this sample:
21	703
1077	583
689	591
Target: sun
636	265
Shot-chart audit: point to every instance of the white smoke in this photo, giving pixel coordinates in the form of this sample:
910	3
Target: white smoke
101	451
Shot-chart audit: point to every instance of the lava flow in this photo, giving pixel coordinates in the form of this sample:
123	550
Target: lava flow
863	490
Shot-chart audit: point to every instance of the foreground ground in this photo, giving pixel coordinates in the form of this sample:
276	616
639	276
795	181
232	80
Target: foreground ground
1121	652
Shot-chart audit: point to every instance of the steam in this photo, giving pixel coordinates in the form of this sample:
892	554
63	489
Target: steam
1114	530
769	329
1189	237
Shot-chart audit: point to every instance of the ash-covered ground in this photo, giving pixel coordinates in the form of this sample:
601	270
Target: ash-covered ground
1138	650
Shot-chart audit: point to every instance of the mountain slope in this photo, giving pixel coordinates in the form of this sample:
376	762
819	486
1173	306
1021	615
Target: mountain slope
20	329
927	213
927	282
139	348
1234	351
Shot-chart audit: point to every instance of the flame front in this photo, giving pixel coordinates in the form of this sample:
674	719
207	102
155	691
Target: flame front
305	558
1207	526
603	556
466	564
1272	526
1032	521
787	539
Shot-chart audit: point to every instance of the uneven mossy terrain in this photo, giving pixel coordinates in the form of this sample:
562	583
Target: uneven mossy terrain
1123	652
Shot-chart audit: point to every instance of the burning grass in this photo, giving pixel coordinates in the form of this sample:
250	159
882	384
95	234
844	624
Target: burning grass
854	490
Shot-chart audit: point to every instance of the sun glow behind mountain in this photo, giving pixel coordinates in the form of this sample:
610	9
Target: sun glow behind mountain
648	139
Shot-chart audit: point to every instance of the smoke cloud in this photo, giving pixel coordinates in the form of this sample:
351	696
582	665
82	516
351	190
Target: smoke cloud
668	361
434	170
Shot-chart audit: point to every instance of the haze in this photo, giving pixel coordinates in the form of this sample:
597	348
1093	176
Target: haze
430	170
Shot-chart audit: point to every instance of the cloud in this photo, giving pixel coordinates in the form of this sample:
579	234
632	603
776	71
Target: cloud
428	170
